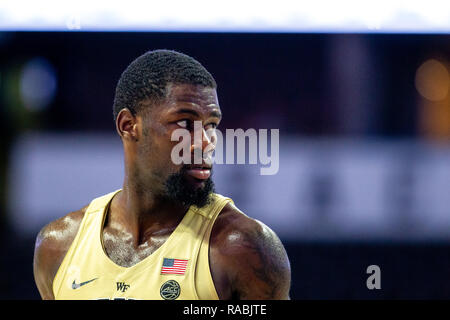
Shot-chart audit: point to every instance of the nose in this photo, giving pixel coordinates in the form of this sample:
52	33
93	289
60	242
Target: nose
203	144
209	139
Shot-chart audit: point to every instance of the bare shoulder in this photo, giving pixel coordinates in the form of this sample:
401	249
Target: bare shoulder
52	244
248	260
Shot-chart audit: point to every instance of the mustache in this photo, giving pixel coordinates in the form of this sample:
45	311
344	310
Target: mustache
186	167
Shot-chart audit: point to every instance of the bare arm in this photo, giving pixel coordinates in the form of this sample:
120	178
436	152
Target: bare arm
52	244
248	259
42	264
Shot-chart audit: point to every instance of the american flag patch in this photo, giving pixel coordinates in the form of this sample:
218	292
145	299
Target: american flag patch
174	266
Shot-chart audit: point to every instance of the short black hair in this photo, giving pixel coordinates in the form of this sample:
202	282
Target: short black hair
147	77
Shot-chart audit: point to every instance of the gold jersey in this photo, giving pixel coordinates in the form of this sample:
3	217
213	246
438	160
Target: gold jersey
179	269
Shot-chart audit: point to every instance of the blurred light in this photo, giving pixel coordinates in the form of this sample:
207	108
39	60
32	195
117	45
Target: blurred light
73	23
432	16
37	84
432	80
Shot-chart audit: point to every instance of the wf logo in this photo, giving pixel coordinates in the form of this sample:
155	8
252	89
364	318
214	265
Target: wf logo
122	286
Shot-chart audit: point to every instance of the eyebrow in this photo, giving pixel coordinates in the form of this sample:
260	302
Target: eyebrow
214	113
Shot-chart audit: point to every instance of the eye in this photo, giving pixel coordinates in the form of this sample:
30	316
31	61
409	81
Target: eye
211	125
183	123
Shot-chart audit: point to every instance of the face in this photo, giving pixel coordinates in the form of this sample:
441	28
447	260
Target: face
186	183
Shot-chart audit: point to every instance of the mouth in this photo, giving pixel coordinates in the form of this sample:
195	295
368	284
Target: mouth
200	172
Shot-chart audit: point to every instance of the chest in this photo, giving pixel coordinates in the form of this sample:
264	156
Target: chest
123	249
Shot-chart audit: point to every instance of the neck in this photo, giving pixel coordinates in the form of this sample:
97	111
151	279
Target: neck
145	204
143	213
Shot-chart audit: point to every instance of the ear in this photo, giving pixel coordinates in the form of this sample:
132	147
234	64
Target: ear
127	125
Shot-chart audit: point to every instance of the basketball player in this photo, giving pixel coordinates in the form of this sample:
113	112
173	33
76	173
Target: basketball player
166	234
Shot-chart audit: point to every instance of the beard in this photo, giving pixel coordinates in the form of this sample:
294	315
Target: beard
179	190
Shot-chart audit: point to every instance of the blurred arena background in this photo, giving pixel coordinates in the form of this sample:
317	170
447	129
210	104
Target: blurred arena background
363	109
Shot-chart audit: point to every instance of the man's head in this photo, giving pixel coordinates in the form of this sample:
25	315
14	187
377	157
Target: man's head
145	80
159	92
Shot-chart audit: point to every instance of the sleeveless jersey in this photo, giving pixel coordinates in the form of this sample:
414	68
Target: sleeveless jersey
179	269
